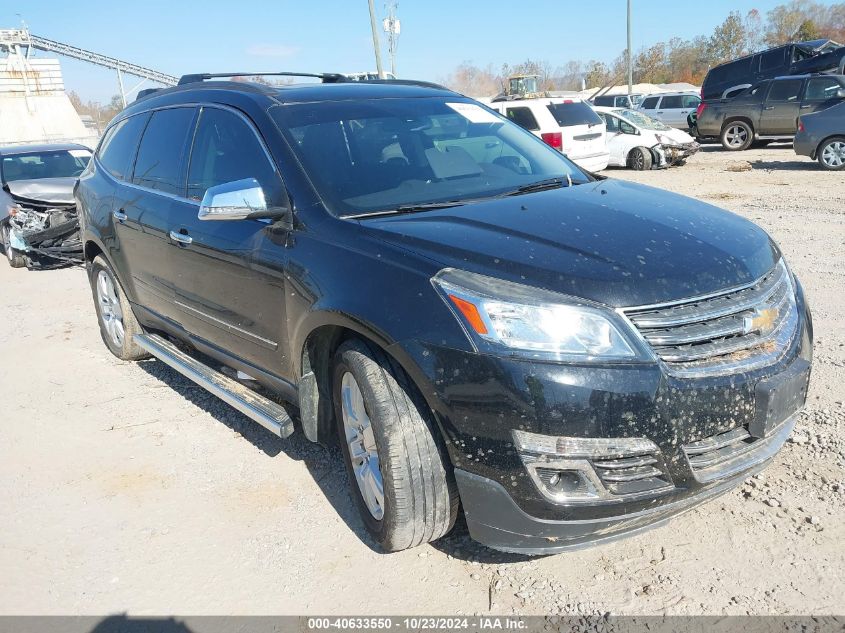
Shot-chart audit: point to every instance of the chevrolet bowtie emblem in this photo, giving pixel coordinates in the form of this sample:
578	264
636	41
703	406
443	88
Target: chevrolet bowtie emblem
761	320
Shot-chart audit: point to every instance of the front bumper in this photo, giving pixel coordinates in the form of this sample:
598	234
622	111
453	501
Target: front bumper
672	154
480	400
495	520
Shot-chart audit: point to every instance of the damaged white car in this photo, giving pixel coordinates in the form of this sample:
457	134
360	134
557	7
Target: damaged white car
638	141
38	220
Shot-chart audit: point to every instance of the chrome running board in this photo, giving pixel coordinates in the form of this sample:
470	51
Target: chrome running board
271	415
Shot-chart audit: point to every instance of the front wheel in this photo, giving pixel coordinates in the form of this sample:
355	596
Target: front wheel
400	476
118	324
737	135
831	154
15	258
639	159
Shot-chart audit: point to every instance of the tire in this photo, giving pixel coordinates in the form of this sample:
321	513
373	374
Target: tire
831	154
15	258
736	136
639	159
395	430
118	324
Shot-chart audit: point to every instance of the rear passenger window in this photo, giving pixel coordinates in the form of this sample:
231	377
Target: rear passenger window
787	90
690	101
119	144
671	102
161	157
650	103
523	117
226	149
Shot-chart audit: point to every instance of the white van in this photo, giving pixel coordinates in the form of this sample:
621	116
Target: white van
569	125
673	108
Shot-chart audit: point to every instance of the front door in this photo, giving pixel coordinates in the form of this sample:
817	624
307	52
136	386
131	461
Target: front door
229	275
781	108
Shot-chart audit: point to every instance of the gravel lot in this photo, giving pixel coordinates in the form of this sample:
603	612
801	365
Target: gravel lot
127	489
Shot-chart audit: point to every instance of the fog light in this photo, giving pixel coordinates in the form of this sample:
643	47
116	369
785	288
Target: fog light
566	484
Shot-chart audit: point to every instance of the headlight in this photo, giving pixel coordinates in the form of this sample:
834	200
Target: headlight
501	316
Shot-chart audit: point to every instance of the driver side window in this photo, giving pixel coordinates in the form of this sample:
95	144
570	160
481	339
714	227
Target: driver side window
226	149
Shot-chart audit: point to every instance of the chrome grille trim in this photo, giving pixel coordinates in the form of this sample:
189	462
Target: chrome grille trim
709	335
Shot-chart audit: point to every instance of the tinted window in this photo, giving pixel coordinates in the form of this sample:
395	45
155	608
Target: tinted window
372	155
55	164
822	88
523	117
117	151
785	90
226	149
650	103
604	101
161	156
671	102
772	60
575	113
690	101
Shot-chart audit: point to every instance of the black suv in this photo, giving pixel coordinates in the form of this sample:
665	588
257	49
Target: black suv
816	56
767	111
473	317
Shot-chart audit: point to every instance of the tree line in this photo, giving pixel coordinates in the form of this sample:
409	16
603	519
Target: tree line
673	60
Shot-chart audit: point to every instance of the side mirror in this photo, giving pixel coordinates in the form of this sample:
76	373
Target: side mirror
840	94
238	200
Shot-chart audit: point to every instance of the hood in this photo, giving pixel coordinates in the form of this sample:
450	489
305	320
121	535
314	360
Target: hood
44	190
612	242
679	136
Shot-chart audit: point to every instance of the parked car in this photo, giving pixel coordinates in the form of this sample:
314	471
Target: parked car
768	110
618	101
472	316
821	135
38	219
637	141
672	108
568	125
729	79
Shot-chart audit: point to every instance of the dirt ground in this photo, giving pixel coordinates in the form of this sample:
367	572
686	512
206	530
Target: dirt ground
127	489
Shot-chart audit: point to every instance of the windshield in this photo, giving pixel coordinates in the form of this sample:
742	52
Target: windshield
574	113
643	120
48	164
377	155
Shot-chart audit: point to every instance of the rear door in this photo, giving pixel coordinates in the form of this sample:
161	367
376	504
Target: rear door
820	93
781	108
147	201
229	275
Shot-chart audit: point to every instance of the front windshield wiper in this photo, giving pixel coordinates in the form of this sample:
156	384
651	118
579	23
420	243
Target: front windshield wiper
408	208
542	185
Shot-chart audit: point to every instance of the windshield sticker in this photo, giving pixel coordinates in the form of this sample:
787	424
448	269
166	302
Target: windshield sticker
474	113
80	153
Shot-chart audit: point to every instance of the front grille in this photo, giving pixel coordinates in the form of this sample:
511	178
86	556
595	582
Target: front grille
738	330
632	475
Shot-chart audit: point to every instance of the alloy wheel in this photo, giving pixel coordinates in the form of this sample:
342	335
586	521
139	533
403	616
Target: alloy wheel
110	310
833	154
736	136
361	442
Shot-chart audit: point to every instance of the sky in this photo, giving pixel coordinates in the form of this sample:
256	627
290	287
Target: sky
179	37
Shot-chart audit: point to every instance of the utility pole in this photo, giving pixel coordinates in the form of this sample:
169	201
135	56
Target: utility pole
392	28
376	46
630	65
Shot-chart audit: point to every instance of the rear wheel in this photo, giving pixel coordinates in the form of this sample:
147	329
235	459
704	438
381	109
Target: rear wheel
831	154
737	135
640	159
15	258
400	477
118	324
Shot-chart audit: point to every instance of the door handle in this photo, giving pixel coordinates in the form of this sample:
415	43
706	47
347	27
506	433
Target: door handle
181	238
769	108
804	107
120	216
